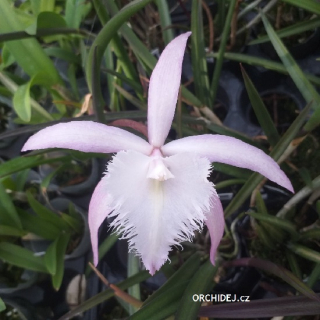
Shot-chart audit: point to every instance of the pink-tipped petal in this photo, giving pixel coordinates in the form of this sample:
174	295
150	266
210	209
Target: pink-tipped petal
163	90
219	148
87	136
215	223
98	211
155	215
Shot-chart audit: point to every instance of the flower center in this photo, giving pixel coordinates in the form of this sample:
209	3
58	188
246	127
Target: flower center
157	169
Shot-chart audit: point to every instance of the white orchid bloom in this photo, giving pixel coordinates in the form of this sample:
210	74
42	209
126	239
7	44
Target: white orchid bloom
158	193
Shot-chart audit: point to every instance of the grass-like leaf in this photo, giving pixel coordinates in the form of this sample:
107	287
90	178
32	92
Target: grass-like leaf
60	246
309	5
199	62
222	49
21	257
278	150
305	252
296	74
201	283
21	163
260	110
266	308
276	270
123	285
297	28
143	54
102	40
276	222
165	20
28	53
8	212
265	63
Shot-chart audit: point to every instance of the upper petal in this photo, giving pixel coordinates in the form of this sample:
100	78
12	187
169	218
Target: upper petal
219	148
87	136
98	210
215	223
163	90
155	215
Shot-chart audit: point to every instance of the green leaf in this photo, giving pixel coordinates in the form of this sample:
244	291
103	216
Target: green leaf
265	63
263	234
296	74
101	42
318	208
276	270
54	259
118	48
305	252
165	305
201	283
233	133
263	308
76	11
106	294
7	59
8	212
276	222
41	113
21	179
21	257
133	84
222	49
165	20
297	28
17	35
310	5
260	110
63	54
261	206
11	231
306	177
61	251
123	285
74	222
161	301
278	150
135	101
17	164
199	62
50	257
232	171
46	20
104	247
312	234
38	226
144	55
314	275
51	218
134	291
21	98
228	183
2	305
21	102
294	264
42	5
28	52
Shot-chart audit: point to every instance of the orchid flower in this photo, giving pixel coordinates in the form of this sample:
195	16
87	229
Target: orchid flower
158	193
